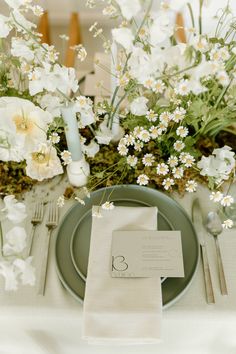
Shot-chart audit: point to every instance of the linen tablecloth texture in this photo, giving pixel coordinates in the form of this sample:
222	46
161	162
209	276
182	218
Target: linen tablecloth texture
120	310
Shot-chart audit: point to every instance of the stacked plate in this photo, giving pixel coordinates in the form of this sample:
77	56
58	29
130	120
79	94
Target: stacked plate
73	237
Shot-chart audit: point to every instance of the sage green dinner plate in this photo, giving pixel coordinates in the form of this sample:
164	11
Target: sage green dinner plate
73	237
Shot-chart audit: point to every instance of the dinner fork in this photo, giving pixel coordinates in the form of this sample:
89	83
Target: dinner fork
52	222
37	218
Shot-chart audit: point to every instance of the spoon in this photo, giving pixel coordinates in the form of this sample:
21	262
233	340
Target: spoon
214	227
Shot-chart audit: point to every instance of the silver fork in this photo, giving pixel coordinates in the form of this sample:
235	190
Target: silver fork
37	218
51	223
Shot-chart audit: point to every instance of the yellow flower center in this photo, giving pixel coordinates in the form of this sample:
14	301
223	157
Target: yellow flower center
23	124
40	157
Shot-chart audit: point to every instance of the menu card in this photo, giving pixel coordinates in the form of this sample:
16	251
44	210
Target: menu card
146	254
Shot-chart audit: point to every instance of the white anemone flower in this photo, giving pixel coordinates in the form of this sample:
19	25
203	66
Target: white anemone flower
26	121
108	206
16	241
129	8
43	163
15	211
91	149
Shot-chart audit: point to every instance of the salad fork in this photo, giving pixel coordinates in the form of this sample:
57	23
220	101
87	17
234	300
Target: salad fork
51	224
37	218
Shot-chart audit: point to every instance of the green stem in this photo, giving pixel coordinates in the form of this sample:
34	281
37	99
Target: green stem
191	14
200	16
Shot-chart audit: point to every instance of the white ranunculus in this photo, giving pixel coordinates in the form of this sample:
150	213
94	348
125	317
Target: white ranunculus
91	149
129	8
161	29
8	271
51	103
4	26
138	106
15	241
124	37
26	270
140	65
21	49
52	79
104	134
15	211
27	122
218	165
43	163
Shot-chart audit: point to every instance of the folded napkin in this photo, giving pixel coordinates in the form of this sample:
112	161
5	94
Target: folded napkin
120	310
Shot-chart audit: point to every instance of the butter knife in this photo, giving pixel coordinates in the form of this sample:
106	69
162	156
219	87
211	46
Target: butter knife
198	224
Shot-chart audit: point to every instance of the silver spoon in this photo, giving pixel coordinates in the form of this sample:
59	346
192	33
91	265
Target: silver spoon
214	227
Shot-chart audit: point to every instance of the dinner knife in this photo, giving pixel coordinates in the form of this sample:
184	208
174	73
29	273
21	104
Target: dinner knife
198	224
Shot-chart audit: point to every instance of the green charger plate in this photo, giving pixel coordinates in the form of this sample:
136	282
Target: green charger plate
73	237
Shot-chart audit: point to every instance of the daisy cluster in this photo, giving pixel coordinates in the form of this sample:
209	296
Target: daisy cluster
156	130
14	268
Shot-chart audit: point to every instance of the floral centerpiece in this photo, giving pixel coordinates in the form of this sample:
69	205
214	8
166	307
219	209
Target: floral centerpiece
175	101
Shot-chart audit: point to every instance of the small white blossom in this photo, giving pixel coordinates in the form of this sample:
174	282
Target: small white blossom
162	169
158	87
148	159
16	241
109	10
132	160
191	186
173	161
200	43
144	135
223	78
64	37
178	172
165	118
167	183
108	206
138	106
123	151
151	116
182	131
138	146
228	224
66	157
142	180
183	87
216	196
61	201
227	200
54	138
178	114
179	145
189	160
155	132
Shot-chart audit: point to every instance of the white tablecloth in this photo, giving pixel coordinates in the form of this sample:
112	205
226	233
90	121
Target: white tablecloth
52	324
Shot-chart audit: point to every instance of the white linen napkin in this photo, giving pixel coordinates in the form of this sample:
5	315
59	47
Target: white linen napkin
120	310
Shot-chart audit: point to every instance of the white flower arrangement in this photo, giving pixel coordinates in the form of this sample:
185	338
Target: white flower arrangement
168	96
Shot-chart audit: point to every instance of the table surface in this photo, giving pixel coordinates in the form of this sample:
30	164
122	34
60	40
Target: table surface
52	324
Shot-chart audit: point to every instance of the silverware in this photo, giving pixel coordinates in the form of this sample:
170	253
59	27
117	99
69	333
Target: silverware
37	218
214	227
198	223
51	223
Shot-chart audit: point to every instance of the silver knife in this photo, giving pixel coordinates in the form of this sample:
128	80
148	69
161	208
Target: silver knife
198	224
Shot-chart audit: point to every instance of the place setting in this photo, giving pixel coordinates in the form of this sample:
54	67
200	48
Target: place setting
117	174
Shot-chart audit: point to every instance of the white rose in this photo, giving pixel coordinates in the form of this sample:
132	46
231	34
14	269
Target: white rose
124	37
